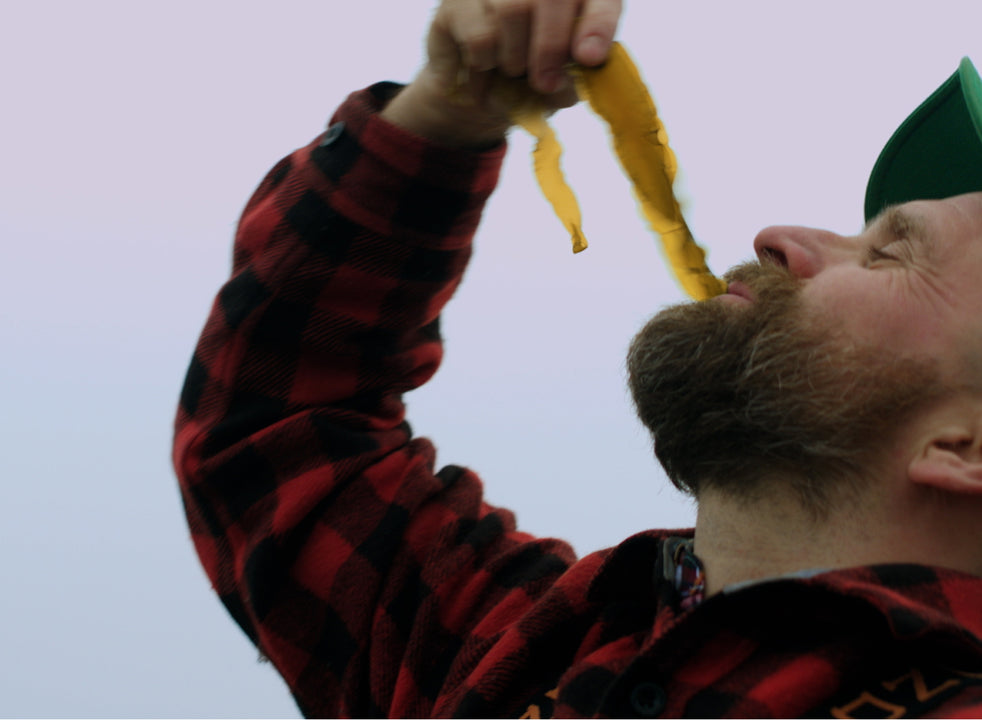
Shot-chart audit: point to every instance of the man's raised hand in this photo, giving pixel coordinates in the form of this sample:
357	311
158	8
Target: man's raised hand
472	43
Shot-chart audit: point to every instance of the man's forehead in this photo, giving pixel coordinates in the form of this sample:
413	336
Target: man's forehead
915	214
959	211
969	202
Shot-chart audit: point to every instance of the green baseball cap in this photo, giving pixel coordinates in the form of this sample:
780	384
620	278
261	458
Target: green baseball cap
937	151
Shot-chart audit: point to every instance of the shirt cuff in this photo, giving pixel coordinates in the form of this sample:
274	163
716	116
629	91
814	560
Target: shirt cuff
395	182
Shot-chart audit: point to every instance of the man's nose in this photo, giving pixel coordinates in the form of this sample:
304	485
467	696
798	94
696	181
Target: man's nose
805	252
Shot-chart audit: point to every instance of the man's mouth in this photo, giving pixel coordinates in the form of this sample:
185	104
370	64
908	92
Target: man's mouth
738	292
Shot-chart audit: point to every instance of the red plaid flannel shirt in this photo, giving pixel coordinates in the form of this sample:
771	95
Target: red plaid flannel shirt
378	585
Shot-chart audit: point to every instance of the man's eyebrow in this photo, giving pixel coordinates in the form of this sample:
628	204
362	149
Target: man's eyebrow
900	222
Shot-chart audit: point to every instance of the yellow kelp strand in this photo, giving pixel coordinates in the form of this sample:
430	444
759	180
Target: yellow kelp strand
617	93
531	115
546	163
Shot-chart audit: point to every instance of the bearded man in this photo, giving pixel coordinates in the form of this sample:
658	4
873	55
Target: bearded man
826	414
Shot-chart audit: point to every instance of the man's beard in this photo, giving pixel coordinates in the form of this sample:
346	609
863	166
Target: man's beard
735	395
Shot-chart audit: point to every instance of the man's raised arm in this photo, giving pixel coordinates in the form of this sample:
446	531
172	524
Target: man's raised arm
372	581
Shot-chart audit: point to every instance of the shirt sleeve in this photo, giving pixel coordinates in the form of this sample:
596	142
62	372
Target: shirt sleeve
371	580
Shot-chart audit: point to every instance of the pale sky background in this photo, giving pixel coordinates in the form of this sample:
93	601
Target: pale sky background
133	133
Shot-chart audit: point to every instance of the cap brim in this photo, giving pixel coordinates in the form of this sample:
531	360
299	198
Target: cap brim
937	151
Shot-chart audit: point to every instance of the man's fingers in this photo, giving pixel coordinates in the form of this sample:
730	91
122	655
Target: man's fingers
514	25
474	31
550	42
595	31
534	36
537	38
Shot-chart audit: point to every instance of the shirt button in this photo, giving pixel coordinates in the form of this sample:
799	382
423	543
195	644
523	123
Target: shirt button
648	699
332	134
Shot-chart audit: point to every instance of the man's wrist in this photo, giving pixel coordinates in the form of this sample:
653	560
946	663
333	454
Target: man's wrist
428	111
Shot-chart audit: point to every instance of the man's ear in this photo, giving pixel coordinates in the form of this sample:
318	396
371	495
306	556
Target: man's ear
951	462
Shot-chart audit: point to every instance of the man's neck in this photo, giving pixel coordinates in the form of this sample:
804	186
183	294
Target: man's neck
743	540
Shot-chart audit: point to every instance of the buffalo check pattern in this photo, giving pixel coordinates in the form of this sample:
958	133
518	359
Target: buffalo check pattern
380	585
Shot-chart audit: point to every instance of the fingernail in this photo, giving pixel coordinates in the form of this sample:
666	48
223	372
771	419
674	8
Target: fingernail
590	50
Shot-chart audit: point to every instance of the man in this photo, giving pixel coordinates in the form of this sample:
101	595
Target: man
826	413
